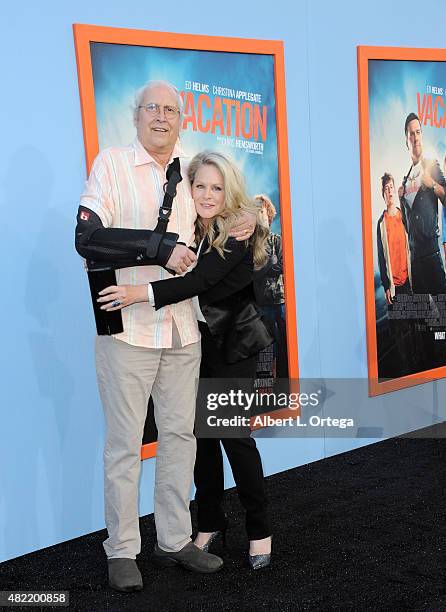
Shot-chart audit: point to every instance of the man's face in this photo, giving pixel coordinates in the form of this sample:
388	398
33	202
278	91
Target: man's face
414	139
157	133
389	193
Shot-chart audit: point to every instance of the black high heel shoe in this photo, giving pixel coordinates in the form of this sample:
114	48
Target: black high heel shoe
214	537
257	562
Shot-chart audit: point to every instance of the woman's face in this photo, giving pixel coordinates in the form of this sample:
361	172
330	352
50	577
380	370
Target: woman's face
208	192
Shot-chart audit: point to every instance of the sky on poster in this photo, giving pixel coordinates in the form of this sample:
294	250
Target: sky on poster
119	70
393	88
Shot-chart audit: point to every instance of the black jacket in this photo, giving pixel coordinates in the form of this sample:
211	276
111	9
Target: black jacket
226	297
421	221
268	281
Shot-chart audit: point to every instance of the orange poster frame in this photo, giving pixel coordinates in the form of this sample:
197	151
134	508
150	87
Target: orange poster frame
364	54
85	34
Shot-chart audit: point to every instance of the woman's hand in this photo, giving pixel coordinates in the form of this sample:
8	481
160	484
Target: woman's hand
117	297
244	227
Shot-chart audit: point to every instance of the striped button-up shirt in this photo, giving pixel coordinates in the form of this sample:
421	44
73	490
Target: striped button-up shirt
125	189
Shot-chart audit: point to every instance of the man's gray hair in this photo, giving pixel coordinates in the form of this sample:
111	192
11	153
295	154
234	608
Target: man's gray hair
139	95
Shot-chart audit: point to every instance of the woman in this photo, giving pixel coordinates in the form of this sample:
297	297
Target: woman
232	336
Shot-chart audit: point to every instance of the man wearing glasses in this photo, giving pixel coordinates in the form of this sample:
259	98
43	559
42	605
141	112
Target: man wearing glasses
157	354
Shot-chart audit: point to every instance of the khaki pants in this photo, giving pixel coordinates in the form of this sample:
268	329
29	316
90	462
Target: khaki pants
127	376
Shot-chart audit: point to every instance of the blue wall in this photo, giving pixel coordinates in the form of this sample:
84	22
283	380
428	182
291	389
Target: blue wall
52	427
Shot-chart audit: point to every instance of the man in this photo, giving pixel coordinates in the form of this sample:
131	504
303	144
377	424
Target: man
393	247
158	353
444	216
419	194
394	266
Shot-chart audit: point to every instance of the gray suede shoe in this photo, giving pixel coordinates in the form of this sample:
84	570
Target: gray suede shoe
190	556
124	575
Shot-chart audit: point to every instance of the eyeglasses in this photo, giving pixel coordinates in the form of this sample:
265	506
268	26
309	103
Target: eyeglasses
170	112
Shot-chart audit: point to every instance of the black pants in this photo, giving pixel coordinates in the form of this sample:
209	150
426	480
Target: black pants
274	318
403	331
428	275
242	454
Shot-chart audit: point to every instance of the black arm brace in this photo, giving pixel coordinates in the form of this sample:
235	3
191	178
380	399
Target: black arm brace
118	247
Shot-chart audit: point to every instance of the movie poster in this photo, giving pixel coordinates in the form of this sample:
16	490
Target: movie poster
406	237
229	105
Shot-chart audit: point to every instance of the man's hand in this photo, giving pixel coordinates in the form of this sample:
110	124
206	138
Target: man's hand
429	183
180	260
117	297
400	191
244	226
389	298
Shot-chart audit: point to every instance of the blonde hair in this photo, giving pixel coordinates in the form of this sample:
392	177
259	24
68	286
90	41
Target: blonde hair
267	205
236	201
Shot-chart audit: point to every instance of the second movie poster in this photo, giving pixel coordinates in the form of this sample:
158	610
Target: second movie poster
406	146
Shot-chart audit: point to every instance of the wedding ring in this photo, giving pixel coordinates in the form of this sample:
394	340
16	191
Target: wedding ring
116	303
